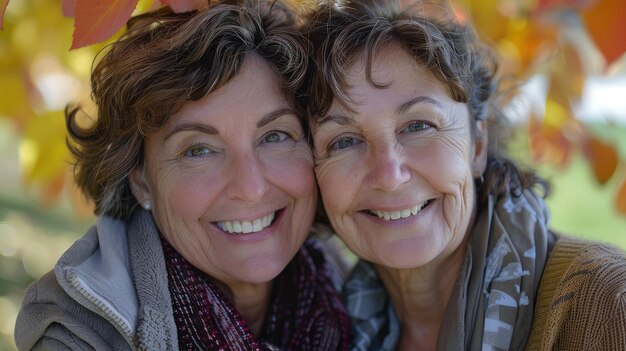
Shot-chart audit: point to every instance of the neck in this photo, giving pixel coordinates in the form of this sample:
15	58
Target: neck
251	301
420	297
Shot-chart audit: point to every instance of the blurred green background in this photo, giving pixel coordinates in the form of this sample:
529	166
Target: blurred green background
41	213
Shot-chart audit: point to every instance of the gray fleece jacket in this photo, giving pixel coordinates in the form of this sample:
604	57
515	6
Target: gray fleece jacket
107	292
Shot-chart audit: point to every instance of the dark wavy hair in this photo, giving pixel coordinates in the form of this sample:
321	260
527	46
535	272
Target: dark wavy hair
163	61
343	31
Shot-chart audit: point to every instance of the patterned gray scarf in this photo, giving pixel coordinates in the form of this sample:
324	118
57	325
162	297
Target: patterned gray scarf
492	306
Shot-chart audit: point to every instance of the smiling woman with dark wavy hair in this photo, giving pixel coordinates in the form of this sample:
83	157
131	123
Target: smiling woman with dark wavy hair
203	181
454	240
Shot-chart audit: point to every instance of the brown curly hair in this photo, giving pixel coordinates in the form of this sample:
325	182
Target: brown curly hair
341	31
163	61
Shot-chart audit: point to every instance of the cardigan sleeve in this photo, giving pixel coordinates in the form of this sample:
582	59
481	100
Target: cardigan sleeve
50	320
581	303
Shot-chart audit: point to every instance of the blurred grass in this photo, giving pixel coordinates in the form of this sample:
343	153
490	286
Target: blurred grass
32	237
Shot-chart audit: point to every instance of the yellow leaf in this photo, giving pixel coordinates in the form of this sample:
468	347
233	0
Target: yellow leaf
43	153
487	16
14	96
557	115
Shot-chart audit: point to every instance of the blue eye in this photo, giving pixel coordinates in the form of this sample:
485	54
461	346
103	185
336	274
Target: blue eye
344	142
417	126
275	137
197	151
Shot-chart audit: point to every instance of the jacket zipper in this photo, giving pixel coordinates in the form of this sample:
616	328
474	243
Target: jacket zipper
109	313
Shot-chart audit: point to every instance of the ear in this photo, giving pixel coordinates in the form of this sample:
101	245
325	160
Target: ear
140	187
481	145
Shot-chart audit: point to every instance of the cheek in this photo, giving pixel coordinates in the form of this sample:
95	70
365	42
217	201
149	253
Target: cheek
337	179
187	194
444	165
292	172
451	175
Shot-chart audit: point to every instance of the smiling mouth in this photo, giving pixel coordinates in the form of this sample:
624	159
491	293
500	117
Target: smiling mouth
246	227
394	215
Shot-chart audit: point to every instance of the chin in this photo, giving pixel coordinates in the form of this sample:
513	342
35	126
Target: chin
263	269
405	254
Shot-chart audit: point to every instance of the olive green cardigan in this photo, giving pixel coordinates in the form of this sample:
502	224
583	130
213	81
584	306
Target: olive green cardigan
581	303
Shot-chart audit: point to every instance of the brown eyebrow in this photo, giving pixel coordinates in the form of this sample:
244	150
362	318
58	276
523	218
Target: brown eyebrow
417	100
199	127
203	128
344	120
273	115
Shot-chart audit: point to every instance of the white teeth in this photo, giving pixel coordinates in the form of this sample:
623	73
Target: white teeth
244	227
393	215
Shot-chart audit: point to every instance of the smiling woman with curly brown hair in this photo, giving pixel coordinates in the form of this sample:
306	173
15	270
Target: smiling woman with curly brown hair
200	169
454	240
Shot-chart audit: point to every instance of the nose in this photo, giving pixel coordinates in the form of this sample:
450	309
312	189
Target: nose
387	168
248	182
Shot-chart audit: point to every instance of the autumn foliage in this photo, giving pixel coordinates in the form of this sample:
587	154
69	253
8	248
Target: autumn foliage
533	37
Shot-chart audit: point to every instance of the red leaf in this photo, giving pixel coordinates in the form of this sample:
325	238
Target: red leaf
180	6
3	7
620	200
606	25
67	7
98	20
603	158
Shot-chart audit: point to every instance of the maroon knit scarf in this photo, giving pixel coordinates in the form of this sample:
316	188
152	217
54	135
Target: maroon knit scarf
305	311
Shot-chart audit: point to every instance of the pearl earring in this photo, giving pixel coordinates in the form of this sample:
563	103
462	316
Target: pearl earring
147	205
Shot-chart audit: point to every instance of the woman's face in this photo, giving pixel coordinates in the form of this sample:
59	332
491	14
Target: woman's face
231	181
396	174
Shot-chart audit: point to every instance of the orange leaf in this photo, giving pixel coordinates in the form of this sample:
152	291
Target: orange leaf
567	77
180	6
620	200
68	7
3	7
548	144
602	156
543	5
606	25
98	20
489	21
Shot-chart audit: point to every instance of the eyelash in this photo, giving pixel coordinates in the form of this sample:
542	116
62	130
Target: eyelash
194	147
287	135
333	144
423	126
188	152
